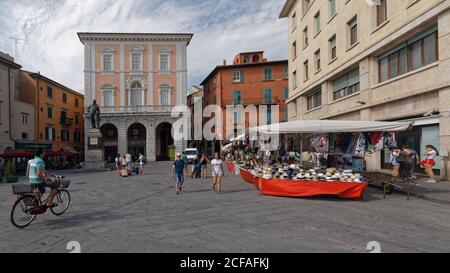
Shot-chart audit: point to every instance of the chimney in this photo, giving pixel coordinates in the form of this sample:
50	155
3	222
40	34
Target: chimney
224	62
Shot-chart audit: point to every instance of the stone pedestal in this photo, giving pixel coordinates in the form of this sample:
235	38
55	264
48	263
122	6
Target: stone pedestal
94	152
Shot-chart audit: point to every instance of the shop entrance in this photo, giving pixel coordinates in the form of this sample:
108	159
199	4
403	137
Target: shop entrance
110	136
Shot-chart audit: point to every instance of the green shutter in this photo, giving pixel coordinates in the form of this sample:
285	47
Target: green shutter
353	77
269	115
286	93
332	7
423	35
340	83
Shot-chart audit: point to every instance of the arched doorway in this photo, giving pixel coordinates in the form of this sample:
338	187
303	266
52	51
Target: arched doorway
163	141
137	136
110	141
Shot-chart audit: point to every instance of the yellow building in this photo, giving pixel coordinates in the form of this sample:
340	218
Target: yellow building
59	113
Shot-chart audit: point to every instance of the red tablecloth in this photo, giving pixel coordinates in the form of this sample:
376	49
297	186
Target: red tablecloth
278	187
248	176
230	167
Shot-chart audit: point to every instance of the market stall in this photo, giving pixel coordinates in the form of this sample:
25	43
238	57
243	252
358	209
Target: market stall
322	172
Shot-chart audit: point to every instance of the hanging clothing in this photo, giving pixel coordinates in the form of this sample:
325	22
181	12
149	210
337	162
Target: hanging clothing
331	143
346	139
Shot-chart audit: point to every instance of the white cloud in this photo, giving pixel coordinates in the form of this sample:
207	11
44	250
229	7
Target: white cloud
221	29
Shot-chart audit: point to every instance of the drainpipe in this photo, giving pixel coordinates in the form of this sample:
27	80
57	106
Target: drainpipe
9	101
37	108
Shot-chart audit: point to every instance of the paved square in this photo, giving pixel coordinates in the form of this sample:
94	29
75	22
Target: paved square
143	214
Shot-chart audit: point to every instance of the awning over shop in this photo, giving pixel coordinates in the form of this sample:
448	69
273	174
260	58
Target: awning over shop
61	153
331	126
17	153
238	138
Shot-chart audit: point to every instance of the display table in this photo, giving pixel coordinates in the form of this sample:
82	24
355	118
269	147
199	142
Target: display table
288	188
230	167
248	177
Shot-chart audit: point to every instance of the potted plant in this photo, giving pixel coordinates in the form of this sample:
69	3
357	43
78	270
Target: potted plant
9	172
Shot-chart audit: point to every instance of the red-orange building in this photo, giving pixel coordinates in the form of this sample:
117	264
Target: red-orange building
250	80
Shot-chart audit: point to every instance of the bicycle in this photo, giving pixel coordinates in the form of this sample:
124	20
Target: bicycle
28	204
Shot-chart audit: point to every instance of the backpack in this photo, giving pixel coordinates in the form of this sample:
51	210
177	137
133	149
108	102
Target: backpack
144	160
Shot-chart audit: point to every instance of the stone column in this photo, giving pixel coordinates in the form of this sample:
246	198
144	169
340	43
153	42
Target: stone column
444	94
122	74
151	143
150	90
122	131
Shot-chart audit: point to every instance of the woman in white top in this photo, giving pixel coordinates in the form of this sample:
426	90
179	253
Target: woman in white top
141	163
429	163
217	172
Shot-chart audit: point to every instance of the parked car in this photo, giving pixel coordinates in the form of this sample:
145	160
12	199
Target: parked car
192	154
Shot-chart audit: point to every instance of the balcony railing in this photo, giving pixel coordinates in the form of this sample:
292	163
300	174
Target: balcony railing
65	121
136	109
255	101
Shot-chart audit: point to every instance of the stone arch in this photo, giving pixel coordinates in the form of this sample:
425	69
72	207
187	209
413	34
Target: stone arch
110	138
137	139
163	140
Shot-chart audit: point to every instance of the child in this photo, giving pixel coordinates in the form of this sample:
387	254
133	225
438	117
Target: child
429	163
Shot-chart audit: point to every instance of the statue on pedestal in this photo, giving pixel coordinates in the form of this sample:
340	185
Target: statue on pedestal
94	113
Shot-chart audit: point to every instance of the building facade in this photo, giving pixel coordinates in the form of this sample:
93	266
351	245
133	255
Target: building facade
58	116
386	60
250	80
137	79
195	104
8	69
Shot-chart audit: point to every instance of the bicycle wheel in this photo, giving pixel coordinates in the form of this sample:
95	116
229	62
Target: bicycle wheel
20	213
62	199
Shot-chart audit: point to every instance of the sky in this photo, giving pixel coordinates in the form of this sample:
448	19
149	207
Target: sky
48	43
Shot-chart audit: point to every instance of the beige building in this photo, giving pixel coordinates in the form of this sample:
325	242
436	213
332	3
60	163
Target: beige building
385	60
8	70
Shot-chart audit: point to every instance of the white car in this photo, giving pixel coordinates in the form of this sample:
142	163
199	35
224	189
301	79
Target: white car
192	154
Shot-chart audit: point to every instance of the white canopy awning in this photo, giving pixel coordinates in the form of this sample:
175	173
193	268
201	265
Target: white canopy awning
238	138
331	126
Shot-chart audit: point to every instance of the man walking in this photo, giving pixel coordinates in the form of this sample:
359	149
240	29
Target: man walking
179	166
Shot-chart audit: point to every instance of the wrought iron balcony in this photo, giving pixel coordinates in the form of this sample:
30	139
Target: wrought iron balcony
66	122
136	109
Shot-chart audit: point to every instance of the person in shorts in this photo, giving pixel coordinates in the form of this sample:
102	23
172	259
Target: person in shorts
217	172
430	161
38	178
395	154
204	162
178	169
141	161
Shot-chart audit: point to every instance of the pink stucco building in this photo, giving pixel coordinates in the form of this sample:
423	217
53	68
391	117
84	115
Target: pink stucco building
137	79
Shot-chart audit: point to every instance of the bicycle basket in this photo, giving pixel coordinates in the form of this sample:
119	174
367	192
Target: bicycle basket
22	188
64	184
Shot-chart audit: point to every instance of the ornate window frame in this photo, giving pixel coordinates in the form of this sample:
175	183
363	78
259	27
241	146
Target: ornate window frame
164	87
165	52
143	88
107	52
137	50
107	87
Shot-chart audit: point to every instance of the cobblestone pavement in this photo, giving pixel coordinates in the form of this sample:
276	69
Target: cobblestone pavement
143	214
